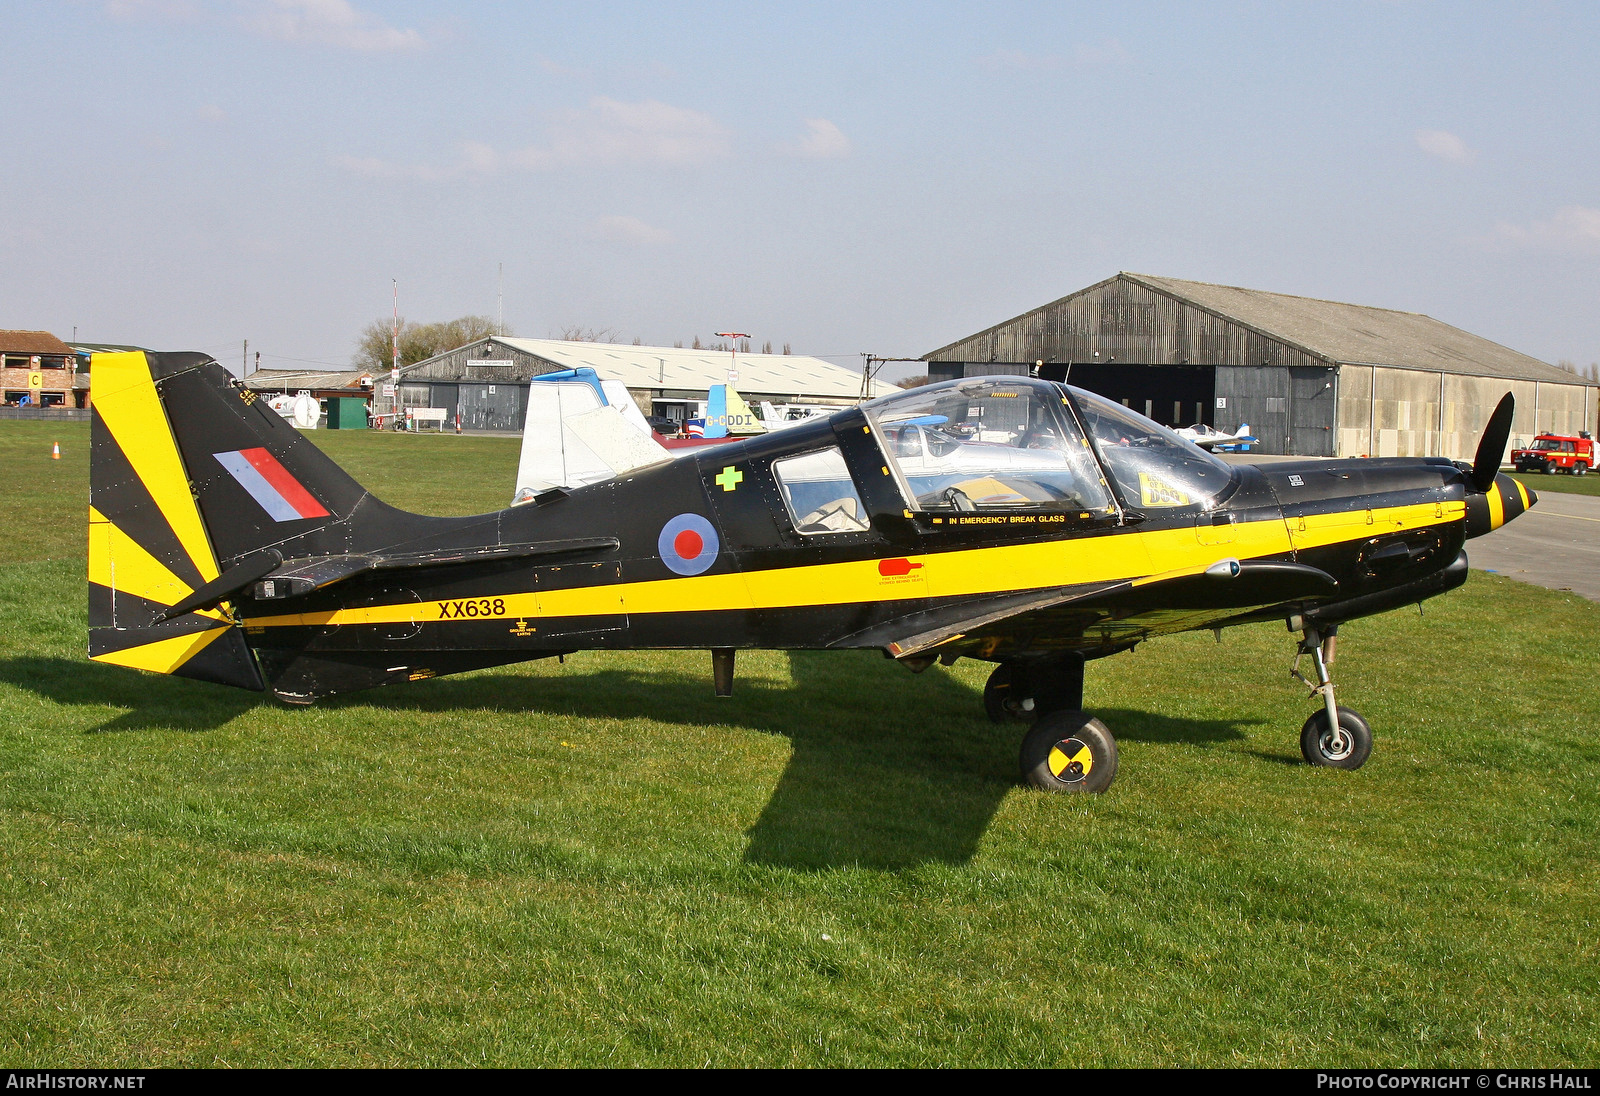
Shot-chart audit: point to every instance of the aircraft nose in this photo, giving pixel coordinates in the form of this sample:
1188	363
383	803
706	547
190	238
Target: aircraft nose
1505	500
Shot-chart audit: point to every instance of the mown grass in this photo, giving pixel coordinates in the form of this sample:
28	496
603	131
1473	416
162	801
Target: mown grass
598	863
1563	483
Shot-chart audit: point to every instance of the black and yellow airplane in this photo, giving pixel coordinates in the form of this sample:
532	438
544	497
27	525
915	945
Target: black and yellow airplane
1017	521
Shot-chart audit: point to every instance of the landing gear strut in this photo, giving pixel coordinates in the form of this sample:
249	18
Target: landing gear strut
1066	749
1334	737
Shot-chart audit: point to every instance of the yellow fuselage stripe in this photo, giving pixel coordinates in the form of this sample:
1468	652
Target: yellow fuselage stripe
997	569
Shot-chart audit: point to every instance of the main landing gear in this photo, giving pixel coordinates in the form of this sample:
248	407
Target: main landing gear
1334	737
1066	749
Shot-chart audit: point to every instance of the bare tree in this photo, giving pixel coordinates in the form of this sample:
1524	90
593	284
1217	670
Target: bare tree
678	344
913	382
589	334
786	349
766	347
418	341
696	344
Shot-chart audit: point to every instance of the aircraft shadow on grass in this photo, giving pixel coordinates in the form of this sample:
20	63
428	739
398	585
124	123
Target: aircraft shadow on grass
887	770
152	702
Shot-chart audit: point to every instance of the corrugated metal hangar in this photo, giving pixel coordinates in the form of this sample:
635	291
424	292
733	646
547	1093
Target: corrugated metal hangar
485	379
1311	377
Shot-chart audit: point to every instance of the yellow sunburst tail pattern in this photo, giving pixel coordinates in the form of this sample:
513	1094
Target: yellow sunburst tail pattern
148	547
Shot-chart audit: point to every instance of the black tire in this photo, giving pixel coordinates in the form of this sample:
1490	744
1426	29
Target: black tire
1580	469
1349	750
1549	469
1069	752
996	694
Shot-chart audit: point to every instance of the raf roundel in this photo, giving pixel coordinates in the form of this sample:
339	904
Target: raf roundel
688	544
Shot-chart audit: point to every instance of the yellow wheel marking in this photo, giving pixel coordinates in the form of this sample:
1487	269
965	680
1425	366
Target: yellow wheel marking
1059	759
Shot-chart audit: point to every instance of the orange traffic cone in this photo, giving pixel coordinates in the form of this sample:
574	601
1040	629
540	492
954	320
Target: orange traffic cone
55	450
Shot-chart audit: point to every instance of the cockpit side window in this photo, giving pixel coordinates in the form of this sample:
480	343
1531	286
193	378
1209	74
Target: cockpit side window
819	493
1153	467
988	445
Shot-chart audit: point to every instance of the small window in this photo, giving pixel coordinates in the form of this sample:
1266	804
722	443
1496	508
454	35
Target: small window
820	495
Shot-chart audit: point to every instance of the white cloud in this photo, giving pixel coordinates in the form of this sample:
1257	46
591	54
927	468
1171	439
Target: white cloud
1108	51
476	159
1571	228
133	11
1016	59
1445	146
329	23
630	230
611	132
822	141
556	68
605	132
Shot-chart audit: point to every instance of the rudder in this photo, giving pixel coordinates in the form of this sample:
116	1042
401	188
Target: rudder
148	547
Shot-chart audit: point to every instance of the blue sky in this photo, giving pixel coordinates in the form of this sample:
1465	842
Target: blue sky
185	174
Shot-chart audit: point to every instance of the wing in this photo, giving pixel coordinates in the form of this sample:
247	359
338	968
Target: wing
1101	618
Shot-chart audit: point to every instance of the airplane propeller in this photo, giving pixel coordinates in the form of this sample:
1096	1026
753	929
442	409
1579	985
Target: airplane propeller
1492	446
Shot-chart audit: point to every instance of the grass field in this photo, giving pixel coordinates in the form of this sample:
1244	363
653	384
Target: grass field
598	863
1571	485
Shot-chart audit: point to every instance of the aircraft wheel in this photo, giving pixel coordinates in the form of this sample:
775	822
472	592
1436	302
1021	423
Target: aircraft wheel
997	692
1347	748
1069	752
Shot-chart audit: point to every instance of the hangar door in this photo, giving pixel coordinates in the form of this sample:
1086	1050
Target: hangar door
497	407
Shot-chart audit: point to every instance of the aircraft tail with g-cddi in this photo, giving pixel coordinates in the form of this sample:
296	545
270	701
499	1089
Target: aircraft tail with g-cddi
1017	521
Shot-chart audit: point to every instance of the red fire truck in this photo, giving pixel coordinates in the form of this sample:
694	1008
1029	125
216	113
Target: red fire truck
1556	453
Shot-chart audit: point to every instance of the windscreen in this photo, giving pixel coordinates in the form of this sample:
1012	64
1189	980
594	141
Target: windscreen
1153	468
989	444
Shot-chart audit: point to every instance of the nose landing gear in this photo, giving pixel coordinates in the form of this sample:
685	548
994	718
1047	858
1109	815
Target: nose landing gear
1334	737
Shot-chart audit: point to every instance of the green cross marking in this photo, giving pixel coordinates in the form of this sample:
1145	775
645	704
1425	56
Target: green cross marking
729	478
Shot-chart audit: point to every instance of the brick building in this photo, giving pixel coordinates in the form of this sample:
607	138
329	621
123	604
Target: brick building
40	369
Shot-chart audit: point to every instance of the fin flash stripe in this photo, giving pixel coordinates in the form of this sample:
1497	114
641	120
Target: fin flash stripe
271	485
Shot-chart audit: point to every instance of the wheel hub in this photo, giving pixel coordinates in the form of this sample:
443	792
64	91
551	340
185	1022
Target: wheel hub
1336	744
1070	760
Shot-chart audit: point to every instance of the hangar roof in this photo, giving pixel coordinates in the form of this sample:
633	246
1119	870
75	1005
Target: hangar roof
1332	331
307	378
676	367
1359	334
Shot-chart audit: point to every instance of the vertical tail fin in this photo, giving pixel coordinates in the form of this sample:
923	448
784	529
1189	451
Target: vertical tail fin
193	483
148	545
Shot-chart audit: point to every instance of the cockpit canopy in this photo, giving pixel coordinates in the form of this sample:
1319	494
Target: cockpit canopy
1010	443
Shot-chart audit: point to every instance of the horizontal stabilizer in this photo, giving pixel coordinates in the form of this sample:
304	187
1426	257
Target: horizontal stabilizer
297	577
